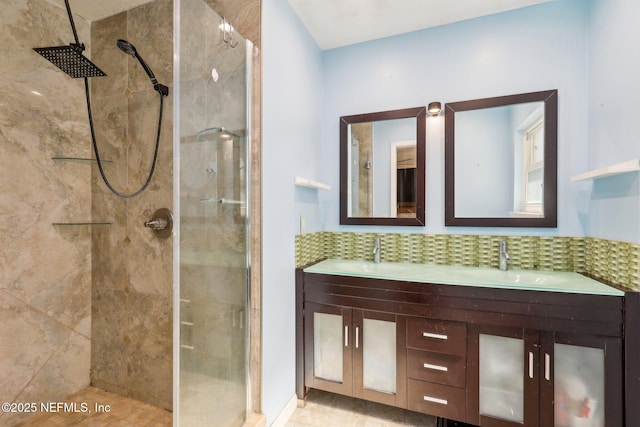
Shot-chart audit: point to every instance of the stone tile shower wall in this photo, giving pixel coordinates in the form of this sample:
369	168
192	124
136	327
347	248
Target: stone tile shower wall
610	261
45	270
132	269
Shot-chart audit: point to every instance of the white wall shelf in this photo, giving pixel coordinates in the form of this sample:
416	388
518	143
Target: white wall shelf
617	169
303	182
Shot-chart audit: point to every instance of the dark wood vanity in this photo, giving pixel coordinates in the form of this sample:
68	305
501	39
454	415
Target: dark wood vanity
439	331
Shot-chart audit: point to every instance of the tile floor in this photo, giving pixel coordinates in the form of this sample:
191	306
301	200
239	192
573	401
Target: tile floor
326	409
321	410
124	412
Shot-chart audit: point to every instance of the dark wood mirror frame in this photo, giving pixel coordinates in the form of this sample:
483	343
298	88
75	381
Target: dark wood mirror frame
549	218
420	114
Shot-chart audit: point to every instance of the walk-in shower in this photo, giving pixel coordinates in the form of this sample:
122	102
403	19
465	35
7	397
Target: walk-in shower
90	299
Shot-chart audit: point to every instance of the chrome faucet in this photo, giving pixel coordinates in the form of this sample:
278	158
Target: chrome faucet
504	256
376	250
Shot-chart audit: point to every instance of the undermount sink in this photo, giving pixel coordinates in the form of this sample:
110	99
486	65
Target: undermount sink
514	277
537	280
369	267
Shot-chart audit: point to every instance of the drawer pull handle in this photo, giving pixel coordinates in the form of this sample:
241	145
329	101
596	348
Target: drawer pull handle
436	367
435	336
436	400
357	336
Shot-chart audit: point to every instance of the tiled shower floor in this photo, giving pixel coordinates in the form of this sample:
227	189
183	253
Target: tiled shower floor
326	409
124	412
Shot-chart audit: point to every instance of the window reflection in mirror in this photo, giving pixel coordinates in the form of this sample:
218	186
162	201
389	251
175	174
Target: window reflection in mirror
382	168
501	161
500	148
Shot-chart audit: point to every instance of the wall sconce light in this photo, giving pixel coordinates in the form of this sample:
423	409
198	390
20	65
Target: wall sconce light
434	109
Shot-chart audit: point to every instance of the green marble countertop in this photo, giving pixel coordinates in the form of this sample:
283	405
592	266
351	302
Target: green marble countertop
533	280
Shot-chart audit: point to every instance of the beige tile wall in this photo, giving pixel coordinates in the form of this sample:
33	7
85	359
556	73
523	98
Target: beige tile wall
45	270
132	269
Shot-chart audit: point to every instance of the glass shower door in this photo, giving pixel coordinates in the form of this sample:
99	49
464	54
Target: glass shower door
211	319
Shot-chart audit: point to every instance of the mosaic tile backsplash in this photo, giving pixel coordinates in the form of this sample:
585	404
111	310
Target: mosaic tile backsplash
610	261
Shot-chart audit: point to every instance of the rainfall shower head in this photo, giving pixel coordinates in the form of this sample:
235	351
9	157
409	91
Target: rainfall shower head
129	49
70	60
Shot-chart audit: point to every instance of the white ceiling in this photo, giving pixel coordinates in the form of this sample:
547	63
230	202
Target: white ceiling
336	23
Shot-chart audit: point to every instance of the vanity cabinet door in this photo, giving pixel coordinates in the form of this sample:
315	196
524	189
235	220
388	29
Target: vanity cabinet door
328	347
379	357
504	374
581	381
540	378
356	353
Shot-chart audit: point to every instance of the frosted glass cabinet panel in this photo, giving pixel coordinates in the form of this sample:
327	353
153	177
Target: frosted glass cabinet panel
328	346
379	355
578	386
502	377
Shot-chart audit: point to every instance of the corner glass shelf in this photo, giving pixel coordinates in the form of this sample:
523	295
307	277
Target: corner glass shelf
79	160
216	134
75	223
222	201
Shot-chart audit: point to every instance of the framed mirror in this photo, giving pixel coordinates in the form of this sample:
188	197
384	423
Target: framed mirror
501	161
382	168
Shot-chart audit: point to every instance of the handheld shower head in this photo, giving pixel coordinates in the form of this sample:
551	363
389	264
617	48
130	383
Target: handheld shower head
129	49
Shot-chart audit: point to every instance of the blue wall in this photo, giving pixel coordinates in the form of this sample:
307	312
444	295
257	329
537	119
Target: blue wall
292	96
536	48
484	163
613	204
583	48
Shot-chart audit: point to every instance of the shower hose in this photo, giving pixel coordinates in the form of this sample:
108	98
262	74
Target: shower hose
95	148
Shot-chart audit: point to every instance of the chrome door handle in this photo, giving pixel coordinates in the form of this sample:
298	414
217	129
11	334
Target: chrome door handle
531	364
547	366
357	336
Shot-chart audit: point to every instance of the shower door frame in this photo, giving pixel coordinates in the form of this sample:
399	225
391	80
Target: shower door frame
251	401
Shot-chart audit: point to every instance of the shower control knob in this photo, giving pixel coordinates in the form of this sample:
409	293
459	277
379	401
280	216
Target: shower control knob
156	224
161	223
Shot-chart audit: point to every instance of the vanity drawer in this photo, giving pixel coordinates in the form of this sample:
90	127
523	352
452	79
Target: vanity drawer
438	336
436	367
436	399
